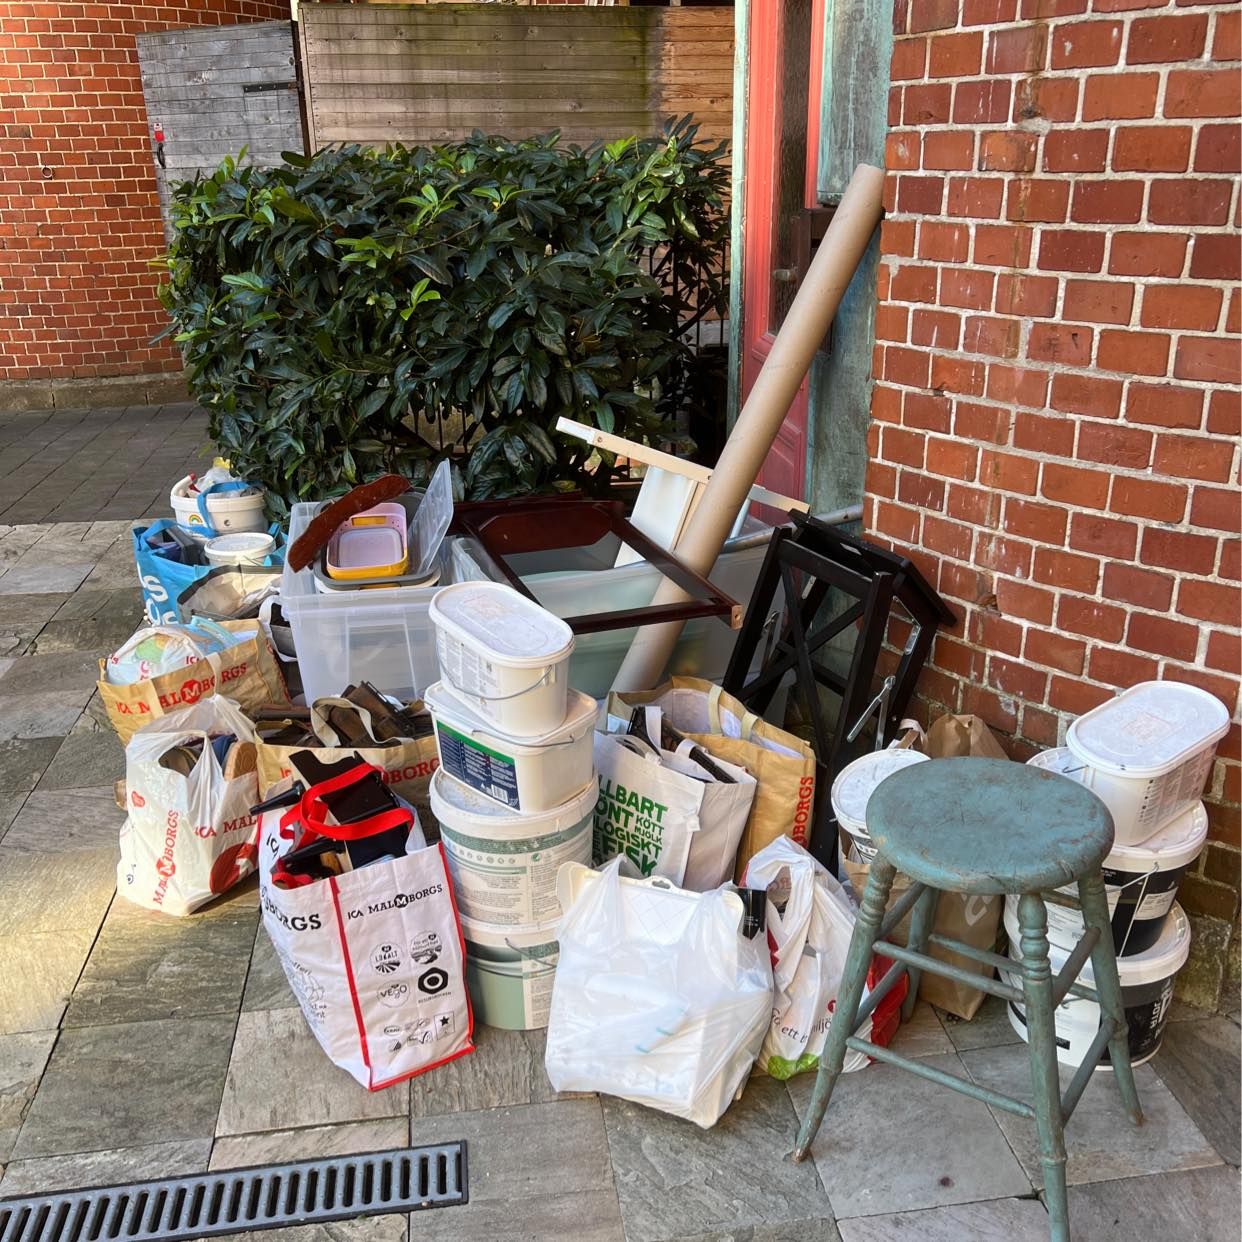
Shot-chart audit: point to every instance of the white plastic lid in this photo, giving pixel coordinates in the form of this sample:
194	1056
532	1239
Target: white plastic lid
446	706
501	623
1160	961
241	543
431	521
1058	759
1149	729
468	811
1176	845
855	783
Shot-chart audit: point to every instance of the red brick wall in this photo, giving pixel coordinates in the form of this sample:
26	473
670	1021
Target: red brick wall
1056	410
79	216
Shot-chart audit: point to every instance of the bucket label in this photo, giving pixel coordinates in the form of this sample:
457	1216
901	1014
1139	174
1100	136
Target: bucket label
494	775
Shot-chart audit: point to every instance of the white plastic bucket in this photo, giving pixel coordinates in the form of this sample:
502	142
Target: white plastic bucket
535	774
503	656
1146	992
1148	752
1141	881
852	790
510	974
240	548
228	513
504	863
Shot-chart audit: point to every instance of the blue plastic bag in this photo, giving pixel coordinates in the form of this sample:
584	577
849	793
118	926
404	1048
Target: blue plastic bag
163	578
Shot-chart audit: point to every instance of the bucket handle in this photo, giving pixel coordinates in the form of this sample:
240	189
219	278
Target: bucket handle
547	968
498	698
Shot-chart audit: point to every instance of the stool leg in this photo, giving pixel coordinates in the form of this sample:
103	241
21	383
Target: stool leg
921	920
1108	988
1041	1038
845	1016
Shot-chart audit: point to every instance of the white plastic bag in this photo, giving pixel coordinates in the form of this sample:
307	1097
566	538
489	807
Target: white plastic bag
187	839
374	956
810	921
658	997
666	814
158	649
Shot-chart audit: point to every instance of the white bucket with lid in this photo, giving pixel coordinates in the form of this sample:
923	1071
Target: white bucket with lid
228	512
510	974
1148	752
503	656
855	784
1141	881
242	548
1146	992
535	774
504	863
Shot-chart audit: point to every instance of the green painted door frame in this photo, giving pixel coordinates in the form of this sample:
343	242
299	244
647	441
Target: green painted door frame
854	115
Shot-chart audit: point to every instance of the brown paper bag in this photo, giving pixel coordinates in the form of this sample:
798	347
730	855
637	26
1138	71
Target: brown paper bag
407	767
247	673
782	764
974	921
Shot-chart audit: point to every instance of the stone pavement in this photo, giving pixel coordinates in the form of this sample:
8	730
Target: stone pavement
78	465
135	1045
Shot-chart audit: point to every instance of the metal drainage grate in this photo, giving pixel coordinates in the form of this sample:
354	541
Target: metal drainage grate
267	1197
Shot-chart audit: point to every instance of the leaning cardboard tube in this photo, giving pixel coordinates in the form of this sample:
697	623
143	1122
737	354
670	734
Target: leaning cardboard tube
753	434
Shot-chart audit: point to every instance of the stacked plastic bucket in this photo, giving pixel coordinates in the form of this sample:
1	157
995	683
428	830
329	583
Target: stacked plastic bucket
515	791
1147	755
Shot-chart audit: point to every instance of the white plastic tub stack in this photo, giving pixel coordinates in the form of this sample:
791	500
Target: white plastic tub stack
516	790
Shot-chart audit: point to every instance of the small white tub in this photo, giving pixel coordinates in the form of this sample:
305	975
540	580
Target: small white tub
503	656
1141	881
510	974
504	864
535	774
855	784
228	512
1146	992
1147	753
242	548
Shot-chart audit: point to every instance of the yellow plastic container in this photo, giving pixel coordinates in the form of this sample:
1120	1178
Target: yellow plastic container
371	544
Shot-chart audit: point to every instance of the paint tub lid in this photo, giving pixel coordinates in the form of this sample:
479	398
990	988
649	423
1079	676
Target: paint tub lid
473	814
252	545
1162	960
1149	729
446	706
501	624
856	782
1176	845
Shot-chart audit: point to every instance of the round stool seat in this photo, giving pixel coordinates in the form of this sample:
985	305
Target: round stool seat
988	826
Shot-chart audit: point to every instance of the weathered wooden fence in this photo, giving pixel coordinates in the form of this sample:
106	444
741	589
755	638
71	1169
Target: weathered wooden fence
429	73
212	90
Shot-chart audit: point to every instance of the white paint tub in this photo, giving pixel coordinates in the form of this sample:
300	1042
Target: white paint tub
1148	752
1141	881
504	863
535	774
1146	992
241	548
503	656
229	513
510	974
855	784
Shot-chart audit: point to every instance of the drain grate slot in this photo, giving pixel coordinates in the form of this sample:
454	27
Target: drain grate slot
265	1197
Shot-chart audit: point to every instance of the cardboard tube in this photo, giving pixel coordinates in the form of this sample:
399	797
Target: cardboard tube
753	434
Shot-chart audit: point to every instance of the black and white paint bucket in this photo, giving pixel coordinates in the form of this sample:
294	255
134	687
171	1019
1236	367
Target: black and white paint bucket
1141	880
1146	992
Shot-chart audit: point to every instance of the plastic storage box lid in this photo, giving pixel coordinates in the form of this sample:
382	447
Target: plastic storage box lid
431	521
501	624
1149	729
580	718
856	782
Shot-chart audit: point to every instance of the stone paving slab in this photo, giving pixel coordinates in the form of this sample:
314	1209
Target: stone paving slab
106	1167
1198	1062
997	1220
1100	1140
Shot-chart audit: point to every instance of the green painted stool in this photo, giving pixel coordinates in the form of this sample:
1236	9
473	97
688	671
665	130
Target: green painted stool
988	827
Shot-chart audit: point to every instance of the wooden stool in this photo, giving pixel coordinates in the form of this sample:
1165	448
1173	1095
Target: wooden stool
988	827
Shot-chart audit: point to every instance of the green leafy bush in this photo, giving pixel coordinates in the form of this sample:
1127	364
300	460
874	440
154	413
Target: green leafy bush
365	311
